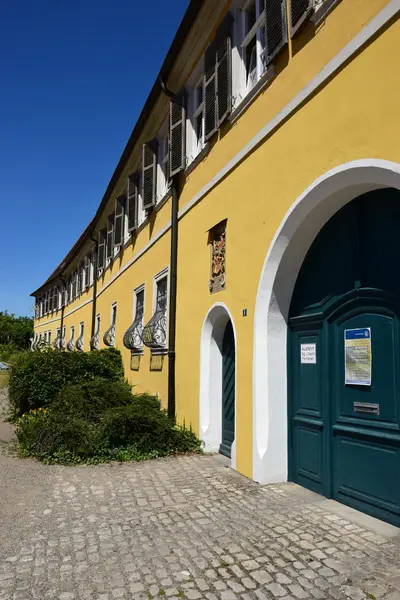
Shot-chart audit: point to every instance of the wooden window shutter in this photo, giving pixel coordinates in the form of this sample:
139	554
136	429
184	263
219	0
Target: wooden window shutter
210	89
149	174
102	250
110	237
119	222
224	70
275	28
133	195
177	128
218	78
299	11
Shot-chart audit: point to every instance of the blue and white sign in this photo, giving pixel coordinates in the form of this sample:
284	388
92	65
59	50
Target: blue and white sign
357	356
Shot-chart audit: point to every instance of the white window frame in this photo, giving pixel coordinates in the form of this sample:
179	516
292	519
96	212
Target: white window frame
156	279
81	330
194	145
241	85
49	337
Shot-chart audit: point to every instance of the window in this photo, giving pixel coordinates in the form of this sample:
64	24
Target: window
120	221
48	338
161	295
154	334
250	35
95	340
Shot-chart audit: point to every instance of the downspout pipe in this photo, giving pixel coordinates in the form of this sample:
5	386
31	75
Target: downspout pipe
172	300
173	269
94	303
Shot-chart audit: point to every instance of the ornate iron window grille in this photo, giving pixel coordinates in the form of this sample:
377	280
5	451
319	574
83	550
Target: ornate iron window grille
95	339
133	336
109	335
71	345
62	342
79	343
154	334
57	342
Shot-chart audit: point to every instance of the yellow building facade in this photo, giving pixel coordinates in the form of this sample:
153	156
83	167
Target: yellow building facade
289	111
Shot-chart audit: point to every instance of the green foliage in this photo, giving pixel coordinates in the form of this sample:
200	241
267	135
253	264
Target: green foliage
101	420
36	378
15	333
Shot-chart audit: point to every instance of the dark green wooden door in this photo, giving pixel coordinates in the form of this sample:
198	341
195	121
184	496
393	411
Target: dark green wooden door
344	438
228	390
365	439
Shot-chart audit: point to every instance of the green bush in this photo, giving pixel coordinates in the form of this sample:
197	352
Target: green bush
102	420
37	377
90	399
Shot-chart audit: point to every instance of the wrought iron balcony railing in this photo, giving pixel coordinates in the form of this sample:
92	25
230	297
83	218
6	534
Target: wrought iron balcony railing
109	336
95	341
154	334
133	336
79	343
71	345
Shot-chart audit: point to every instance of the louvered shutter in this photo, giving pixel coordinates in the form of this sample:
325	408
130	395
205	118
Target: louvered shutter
210	90
101	250
56	297
299	11
223	70
177	128
87	271
110	237
275	28
78	280
119	222
218	78
50	305
133	194
149	174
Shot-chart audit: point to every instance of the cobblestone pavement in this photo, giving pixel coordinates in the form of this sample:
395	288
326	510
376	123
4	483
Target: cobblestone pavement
180	528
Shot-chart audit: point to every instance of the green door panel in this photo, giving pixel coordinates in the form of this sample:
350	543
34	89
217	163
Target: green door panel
366	447
344	440
228	390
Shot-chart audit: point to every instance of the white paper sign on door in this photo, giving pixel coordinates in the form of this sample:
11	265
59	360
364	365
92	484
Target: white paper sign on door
308	354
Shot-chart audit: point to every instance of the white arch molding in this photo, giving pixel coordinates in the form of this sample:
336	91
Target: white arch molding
212	334
309	213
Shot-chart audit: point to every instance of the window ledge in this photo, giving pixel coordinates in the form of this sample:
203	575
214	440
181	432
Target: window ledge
322	11
201	155
163	199
264	81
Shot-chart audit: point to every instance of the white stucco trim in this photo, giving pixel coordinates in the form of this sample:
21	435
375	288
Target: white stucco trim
298	229
211	378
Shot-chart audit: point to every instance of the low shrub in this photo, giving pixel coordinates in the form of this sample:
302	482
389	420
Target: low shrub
36	378
102	420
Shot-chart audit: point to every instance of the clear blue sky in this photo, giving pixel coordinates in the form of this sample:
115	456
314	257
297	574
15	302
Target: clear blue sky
74	77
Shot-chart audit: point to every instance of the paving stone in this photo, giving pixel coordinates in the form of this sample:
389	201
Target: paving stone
184	527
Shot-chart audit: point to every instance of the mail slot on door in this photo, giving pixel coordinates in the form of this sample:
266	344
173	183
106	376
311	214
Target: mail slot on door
366	408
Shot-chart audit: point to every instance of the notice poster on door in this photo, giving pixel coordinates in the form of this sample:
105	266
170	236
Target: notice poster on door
357	356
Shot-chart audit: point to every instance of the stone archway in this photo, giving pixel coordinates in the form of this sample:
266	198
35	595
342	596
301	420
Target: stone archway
303	221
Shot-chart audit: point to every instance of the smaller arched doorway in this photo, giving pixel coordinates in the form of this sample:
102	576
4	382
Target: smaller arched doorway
228	390
218	383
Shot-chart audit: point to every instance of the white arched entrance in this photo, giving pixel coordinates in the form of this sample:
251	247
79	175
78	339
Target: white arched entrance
211	378
303	221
